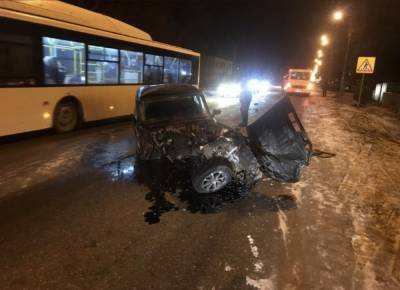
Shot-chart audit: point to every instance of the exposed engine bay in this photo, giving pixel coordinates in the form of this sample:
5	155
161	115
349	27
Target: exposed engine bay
197	143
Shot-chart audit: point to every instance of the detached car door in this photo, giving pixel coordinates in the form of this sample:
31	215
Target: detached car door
280	143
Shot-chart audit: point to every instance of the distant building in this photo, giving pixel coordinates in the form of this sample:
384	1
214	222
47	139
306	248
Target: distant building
214	70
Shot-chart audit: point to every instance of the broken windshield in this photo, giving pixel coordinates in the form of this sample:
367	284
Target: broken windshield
173	107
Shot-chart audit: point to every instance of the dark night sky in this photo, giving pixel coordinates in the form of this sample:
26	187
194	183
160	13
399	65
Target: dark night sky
265	35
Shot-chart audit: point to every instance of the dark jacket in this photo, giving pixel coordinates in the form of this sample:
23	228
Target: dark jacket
245	97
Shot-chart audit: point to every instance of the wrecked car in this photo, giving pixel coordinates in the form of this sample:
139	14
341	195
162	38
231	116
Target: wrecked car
173	122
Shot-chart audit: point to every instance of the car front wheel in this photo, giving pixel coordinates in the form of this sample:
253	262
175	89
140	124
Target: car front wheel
212	177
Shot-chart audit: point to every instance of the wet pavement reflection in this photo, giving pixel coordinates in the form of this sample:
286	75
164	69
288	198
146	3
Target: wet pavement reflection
122	169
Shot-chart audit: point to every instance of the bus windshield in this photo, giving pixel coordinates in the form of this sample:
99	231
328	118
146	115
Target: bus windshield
300	75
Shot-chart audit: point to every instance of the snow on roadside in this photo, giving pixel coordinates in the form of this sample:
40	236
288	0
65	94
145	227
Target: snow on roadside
262	284
258	265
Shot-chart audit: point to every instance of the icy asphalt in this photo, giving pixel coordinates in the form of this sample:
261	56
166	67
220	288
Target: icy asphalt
73	216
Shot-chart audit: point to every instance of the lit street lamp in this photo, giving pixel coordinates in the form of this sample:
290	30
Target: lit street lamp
324	40
320	53
338	15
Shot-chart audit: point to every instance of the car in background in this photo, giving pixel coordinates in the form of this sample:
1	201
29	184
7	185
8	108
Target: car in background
298	81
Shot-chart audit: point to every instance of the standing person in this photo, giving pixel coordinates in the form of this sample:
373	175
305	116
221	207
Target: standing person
245	101
324	87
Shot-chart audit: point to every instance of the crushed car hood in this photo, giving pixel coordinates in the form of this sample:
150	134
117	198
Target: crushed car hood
181	140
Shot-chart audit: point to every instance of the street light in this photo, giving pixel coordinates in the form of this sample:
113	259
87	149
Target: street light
338	15
320	53
318	61
324	40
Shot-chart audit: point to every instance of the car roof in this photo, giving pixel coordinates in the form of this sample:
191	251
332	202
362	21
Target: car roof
159	90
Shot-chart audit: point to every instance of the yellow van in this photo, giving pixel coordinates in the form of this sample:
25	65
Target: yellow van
298	81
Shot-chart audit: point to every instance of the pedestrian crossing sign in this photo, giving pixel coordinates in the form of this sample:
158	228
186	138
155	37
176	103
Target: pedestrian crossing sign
365	65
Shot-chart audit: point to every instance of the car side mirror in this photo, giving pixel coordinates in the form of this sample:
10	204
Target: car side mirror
134	120
216	112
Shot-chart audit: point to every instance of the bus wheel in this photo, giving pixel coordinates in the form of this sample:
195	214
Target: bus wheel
66	117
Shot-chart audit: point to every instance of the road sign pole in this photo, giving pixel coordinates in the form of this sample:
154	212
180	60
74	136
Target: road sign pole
365	65
361	90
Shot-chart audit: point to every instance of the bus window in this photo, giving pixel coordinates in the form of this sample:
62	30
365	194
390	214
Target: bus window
171	68
64	61
16	60
131	64
152	74
185	71
153	69
102	65
156	60
102	53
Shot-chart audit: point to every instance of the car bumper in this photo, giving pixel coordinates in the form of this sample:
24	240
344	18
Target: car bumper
298	91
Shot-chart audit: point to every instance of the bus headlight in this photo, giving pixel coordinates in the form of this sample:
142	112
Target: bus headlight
253	85
288	85
258	86
229	90
310	86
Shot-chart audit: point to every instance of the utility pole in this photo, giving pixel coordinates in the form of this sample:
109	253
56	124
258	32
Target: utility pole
346	59
340	16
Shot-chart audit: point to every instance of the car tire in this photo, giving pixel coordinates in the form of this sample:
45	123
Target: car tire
139	148
66	117
212	177
139	151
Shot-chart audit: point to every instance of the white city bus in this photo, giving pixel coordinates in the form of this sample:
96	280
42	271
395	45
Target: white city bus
61	65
